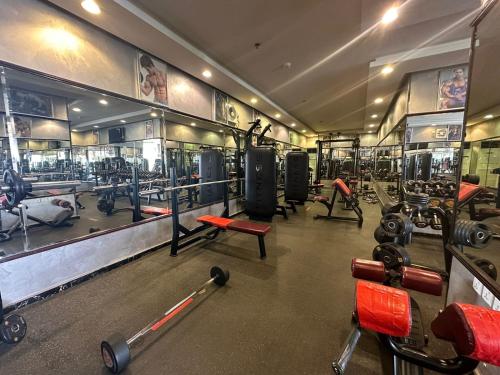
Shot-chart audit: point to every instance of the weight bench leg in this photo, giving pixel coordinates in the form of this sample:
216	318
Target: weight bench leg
262	247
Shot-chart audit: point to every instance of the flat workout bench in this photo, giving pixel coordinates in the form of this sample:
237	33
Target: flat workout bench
222	223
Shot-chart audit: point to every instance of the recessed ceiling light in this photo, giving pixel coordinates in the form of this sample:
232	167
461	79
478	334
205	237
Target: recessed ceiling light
303	131
193	124
293	124
253	100
91	6
207	73
277	115
378	100
386	70
390	16
103	102
371	125
221	131
123	121
370	131
75	130
96	126
374	116
487	117
154	114
76	109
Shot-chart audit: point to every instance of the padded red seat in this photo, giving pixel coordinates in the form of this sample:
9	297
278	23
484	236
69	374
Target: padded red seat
54	192
216	221
485	213
473	330
468	191
321	198
249	227
383	309
344	190
157	211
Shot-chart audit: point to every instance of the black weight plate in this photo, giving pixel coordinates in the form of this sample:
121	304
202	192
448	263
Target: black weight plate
115	353
13	329
221	276
488	267
393	256
380	235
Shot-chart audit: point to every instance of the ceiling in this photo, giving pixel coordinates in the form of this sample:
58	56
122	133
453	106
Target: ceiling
318	61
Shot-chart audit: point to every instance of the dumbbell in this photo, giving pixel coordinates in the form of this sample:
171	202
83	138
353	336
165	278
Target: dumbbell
116	350
411	278
12	328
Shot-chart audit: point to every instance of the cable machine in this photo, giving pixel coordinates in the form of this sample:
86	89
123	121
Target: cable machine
319	156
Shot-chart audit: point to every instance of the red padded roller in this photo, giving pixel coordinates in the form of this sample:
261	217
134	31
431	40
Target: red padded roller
216	221
421	280
383	309
344	190
368	270
473	330
467	191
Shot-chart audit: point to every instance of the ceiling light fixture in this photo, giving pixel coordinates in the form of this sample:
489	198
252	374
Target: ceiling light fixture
207	73
293	124
91	6
76	109
370	131
193	124
96	126
390	16
487	117
123	121
378	100
374	116
253	100
154	114
103	102
386	70
75	131
371	125
277	115
221	131
303	131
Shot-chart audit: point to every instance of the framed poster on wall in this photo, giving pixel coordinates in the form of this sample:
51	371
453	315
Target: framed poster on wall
441	133
452	87
152	79
95	137
30	103
408	135
22	127
454	132
149	129
220	106
233	117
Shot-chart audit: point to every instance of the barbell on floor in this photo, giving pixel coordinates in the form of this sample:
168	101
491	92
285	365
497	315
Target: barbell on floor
116	350
16	188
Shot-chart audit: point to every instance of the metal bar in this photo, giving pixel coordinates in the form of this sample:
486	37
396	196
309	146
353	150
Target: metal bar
340	364
201	184
55	185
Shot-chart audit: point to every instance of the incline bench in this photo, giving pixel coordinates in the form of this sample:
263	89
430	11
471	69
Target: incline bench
350	200
222	223
468	192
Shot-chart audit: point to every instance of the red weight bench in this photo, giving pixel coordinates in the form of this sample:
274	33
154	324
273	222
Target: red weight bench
242	226
473	330
468	192
350	199
156	211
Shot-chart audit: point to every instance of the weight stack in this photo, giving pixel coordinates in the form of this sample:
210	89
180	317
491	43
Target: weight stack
260	182
296	176
211	169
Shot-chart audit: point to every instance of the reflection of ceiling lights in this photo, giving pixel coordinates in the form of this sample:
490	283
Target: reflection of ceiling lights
193	124
103	102
371	125
207	73
123	121
293	124
277	115
91	6
386	70
487	117
390	16
374	116
378	100
59	39
253	100
76	109
154	114
181	88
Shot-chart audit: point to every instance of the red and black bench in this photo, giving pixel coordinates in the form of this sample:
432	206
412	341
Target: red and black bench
156	211
349	198
467	195
242	226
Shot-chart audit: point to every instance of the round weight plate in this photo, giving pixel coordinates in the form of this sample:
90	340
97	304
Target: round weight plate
380	235
434	202
115	353
488	267
13	329
221	276
16	193
448	203
393	256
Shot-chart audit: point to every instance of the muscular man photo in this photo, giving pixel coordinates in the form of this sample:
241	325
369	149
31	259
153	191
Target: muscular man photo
155	81
454	91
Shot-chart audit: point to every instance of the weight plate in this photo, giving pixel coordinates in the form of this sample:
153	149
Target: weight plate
115	353
393	256
488	267
380	235
434	202
221	276
13	329
396	224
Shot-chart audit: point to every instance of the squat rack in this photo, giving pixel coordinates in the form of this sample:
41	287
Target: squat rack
319	154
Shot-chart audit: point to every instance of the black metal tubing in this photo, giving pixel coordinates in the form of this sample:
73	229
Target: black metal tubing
329	216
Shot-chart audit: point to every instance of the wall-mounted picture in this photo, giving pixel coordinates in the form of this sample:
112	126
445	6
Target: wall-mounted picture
408	135
220	107
452	87
233	117
152	79
454	132
95	137
22	127
149	129
30	103
441	133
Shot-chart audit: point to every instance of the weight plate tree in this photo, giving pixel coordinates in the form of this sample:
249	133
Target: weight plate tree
115	351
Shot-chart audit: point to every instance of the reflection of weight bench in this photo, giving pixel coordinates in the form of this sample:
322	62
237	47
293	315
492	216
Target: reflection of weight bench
468	192
155	211
349	199
242	226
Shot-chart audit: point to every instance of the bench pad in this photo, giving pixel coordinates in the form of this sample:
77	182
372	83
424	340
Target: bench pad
342	187
249	227
216	221
157	211
321	198
468	191
383	309
473	330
